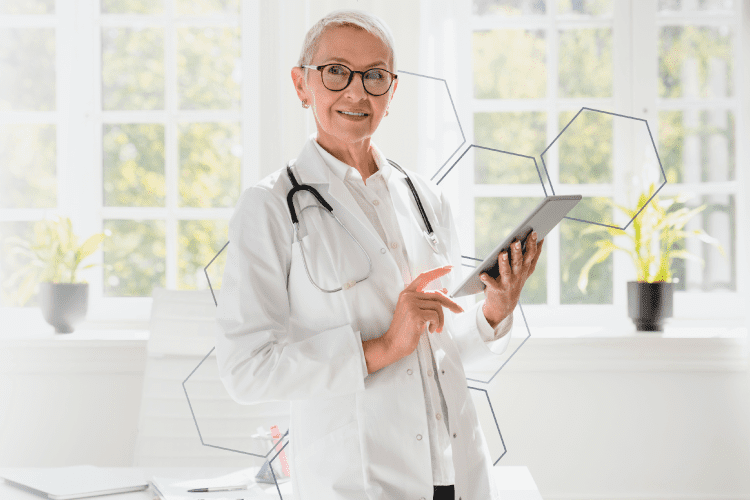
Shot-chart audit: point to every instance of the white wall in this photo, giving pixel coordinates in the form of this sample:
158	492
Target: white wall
590	418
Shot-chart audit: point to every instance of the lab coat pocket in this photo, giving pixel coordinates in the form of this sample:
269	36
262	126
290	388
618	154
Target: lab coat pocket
331	466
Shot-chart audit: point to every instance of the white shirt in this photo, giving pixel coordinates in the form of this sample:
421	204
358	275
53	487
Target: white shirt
375	200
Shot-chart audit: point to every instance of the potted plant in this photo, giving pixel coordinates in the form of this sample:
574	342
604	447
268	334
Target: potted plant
52	259
654	241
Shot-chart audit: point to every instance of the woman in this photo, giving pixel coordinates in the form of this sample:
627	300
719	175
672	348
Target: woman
374	372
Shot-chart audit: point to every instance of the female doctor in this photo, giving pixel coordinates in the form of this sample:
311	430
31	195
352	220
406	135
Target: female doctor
374	372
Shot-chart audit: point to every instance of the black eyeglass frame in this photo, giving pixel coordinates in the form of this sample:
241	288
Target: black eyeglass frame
351	77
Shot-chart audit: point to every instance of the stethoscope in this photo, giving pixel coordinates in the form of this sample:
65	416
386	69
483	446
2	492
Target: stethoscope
429	233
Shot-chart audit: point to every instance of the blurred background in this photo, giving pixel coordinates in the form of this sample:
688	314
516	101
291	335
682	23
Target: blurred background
146	119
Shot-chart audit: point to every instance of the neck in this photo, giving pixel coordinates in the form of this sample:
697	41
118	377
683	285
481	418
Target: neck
357	155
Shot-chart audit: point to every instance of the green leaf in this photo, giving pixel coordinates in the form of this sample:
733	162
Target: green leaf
89	246
605	248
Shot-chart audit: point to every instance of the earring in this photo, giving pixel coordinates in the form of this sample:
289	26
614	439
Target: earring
386	112
305	105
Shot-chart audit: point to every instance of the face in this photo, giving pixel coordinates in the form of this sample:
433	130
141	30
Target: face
358	50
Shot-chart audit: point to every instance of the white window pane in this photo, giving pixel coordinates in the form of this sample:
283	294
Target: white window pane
509	64
27	66
494	218
585	63
27	166
509	7
133	165
132	6
585	148
522	133
16	287
15	7
132	68
695	5
199	242
136	252
719	271
193	7
210	155
208	68
697	145
584	7
696	62
575	249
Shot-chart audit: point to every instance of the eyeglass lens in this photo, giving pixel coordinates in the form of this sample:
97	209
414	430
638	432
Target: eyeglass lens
336	77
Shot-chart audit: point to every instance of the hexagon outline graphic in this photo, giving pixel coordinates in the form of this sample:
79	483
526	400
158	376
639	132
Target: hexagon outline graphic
267	466
656	152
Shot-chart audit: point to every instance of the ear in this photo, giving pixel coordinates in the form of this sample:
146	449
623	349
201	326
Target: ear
393	91
298	77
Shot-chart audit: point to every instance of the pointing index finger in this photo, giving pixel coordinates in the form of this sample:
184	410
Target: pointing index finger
426	277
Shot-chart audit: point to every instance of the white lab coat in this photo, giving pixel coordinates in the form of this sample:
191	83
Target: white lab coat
353	436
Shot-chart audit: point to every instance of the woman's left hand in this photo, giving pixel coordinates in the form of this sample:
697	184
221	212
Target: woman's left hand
501	294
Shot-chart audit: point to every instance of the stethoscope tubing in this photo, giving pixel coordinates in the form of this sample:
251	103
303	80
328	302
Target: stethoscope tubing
297	187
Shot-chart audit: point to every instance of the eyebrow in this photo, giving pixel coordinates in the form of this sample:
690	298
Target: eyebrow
376	63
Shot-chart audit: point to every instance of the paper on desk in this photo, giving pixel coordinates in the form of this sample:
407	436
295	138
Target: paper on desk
177	489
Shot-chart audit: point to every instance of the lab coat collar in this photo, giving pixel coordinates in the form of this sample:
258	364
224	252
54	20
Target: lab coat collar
311	168
315	165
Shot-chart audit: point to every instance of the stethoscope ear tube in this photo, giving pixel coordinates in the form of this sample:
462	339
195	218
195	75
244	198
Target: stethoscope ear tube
309	189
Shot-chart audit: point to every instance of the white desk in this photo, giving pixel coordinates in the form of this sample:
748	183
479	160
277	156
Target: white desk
514	482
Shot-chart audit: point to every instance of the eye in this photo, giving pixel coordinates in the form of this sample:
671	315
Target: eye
375	74
338	70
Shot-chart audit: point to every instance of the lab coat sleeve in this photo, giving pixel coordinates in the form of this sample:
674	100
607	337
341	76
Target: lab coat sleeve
255	354
472	334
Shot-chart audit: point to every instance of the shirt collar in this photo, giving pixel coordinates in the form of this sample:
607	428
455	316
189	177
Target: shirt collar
344	171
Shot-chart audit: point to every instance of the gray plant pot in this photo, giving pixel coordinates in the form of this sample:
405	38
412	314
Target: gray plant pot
649	304
64	305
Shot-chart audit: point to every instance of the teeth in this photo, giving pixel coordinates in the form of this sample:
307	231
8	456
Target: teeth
352	114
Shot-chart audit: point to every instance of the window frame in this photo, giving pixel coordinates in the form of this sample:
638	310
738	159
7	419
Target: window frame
79	171
635	59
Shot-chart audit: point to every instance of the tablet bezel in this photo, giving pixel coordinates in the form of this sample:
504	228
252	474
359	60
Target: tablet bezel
518	232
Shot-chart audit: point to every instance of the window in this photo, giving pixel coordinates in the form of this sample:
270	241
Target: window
536	63
143	135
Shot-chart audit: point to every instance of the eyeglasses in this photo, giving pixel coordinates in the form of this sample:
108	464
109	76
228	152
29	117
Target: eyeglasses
337	77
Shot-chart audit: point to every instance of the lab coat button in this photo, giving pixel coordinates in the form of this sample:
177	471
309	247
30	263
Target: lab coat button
454	434
409	371
429	373
394	245
382	250
437	416
375	202
442	371
419	437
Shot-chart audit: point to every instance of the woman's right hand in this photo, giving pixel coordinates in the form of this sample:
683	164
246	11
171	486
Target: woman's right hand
414	310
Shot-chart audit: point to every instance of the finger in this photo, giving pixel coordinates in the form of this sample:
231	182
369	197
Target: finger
530	250
536	257
434	306
426	277
505	272
489	281
441	299
515	251
430	319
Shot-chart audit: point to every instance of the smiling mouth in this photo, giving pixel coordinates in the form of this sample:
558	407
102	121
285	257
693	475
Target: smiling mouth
347	113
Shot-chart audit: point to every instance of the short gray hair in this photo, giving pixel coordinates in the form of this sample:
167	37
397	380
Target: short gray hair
345	17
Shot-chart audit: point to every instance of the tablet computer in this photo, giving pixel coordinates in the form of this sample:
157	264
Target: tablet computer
550	211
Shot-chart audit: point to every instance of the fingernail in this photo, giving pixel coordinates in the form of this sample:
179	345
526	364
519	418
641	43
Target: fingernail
505	256
533	235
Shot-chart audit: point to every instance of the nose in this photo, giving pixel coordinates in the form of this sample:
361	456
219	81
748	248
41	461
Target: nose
358	88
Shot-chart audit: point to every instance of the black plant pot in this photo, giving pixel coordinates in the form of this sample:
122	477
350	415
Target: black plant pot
64	305
649	304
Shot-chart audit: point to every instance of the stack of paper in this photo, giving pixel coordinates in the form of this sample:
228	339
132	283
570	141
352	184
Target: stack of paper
177	489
